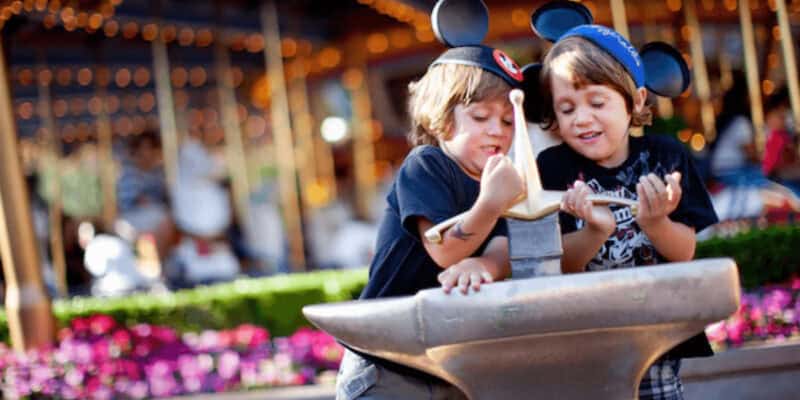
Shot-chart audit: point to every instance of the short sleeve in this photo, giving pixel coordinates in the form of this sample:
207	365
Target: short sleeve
425	187
695	208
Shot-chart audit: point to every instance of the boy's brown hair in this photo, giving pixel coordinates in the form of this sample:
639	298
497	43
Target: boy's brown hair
434	96
589	65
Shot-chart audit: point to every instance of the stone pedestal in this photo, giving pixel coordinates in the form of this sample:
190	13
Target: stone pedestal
534	247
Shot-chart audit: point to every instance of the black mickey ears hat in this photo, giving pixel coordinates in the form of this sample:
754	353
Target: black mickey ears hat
462	25
657	66
549	22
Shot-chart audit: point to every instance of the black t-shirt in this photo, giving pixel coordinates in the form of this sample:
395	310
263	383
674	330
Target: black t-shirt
628	246
431	185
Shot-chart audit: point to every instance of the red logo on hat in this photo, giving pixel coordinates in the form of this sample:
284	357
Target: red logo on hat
507	64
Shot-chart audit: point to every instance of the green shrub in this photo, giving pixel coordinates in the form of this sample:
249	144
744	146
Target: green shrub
764	256
273	302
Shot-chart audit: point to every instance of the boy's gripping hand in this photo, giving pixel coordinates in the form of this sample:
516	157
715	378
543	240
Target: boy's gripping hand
597	217
657	198
468	273
501	184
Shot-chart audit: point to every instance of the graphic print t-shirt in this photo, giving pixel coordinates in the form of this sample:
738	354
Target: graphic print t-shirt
628	246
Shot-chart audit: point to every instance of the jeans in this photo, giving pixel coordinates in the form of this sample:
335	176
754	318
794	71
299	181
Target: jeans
362	379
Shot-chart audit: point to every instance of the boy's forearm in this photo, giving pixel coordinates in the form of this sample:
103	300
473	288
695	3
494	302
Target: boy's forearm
673	240
461	240
580	247
496	253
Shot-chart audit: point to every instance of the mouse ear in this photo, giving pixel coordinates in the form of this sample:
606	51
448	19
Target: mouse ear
460	22
530	85
666	72
551	20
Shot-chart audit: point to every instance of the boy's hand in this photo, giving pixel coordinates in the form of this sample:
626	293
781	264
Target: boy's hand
575	202
500	184
657	199
469	272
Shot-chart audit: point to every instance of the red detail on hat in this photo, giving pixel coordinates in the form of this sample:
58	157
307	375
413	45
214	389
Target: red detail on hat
507	64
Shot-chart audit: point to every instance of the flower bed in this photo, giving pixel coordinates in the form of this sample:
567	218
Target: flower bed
99	359
771	313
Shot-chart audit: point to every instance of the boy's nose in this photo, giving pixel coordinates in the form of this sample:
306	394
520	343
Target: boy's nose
495	127
582	115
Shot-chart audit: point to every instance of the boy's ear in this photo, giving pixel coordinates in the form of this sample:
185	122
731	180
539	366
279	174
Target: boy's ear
640	99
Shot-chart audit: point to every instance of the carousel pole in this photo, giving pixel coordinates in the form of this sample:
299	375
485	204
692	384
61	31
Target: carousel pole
701	85
751	71
303	128
664	105
166	110
30	317
108	170
234	148
52	167
620	18
282	133
789	60
355	80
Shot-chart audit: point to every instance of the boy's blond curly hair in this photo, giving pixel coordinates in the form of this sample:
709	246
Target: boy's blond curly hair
434	96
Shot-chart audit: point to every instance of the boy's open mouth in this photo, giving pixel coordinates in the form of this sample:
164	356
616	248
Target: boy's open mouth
589	135
491	149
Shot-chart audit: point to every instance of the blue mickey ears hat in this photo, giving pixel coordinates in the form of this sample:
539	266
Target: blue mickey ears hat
462	25
657	66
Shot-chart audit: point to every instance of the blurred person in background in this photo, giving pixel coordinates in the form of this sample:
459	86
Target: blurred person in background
142	197
781	162
733	156
739	188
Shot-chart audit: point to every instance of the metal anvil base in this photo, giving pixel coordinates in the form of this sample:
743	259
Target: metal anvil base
581	336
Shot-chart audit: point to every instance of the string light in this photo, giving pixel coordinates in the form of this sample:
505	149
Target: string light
25	76
63	76
400	38
197	76
130	30
60	108
95	105
111	28
149	32
330	57
237	76
123	77
377	43
186	37
255	43
84	76
169	33
141	77
112	104
77	106
288	47
146	102
179	77
204	37
103	76
129	104
25	110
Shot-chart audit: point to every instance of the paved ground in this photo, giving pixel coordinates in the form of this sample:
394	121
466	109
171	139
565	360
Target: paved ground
315	392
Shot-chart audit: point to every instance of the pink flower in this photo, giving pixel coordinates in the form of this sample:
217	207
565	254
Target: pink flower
122	339
251	336
228	364
100	324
